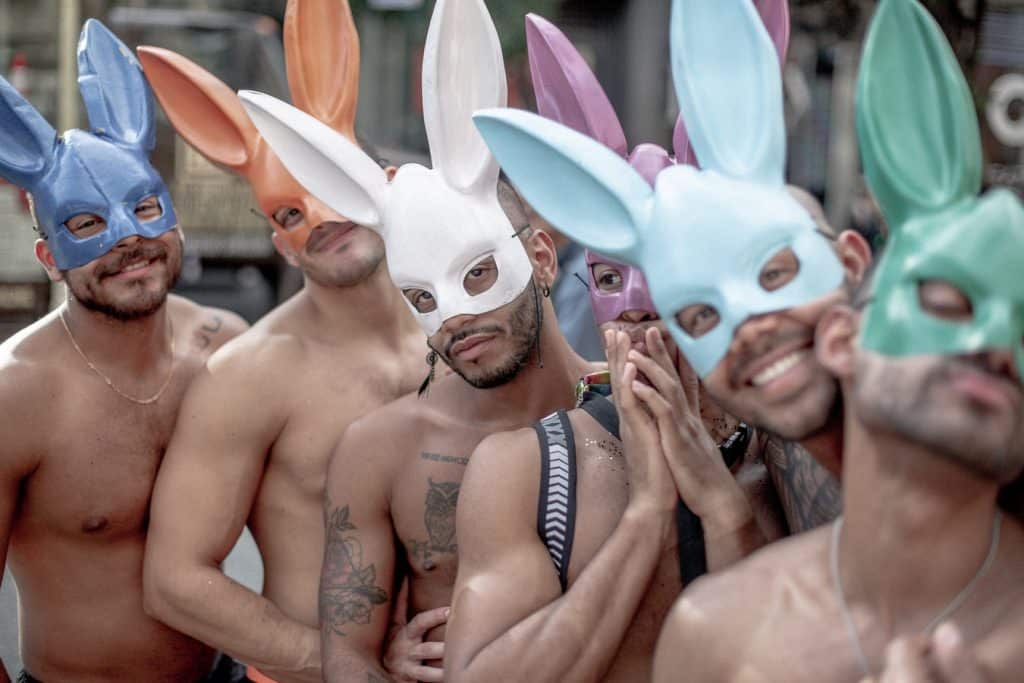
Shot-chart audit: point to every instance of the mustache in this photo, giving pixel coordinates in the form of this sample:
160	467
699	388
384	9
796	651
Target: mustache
142	252
465	334
754	354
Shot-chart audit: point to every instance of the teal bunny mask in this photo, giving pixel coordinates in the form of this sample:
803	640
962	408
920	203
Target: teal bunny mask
921	151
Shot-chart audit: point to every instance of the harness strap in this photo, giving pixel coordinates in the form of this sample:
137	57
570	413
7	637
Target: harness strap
556	504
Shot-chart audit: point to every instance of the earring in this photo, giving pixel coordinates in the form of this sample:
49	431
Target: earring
545	290
431	362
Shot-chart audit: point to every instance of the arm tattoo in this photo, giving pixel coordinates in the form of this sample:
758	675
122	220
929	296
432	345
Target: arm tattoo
347	591
439	518
809	493
208	329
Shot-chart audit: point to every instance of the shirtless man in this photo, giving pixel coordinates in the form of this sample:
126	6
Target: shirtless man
921	580
260	422
477	278
591	524
731	135
90	393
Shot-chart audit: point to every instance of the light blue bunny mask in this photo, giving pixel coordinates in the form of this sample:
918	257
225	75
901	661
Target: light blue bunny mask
700	236
105	172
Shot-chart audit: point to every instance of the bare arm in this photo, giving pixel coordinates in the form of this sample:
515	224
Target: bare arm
508	620
227	424
809	493
17	459
359	559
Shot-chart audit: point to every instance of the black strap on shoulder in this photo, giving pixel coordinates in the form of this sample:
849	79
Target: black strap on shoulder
556	504
603	411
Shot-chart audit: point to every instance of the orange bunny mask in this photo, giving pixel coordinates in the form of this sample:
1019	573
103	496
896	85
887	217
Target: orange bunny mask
322	56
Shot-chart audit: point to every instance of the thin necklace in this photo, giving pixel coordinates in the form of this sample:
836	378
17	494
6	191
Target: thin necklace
138	401
949	609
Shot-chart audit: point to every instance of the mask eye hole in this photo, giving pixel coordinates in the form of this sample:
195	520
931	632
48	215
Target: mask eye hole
288	217
608	278
944	300
149	209
422	300
698	319
779	271
85	225
481	277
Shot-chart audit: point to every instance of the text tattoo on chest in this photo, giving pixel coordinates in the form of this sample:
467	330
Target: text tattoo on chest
439	519
450	459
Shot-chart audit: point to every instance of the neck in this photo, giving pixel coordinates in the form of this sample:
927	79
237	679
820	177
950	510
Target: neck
134	345
826	444
536	391
371	308
906	505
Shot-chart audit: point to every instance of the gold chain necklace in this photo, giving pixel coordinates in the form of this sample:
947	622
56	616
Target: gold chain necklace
138	401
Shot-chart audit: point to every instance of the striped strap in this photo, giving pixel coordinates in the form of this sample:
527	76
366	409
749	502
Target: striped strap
556	504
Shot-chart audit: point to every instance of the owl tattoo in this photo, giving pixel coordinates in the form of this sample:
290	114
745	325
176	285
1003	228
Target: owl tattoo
439	518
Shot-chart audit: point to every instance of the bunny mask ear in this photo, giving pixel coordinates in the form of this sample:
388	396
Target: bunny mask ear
729	89
324	161
922	156
916	158
117	98
210	117
26	139
549	162
566	89
322	54
463	71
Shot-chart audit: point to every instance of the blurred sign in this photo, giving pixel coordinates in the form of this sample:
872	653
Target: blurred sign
216	209
999	86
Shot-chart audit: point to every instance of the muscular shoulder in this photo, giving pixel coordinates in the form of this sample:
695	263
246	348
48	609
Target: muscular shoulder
31	360
206	327
732	605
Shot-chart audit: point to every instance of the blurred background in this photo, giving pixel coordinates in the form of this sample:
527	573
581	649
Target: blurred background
230	261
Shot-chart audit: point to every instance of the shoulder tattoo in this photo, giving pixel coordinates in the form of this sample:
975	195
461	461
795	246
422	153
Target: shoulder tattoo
205	334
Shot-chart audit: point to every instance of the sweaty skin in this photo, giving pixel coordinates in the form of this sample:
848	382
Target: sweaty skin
251	447
77	466
918	524
395	479
620	587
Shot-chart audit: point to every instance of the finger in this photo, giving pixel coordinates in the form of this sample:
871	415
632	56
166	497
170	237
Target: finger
656	347
656	403
424	621
952	658
428	674
666	384
625	398
906	661
689	379
427	650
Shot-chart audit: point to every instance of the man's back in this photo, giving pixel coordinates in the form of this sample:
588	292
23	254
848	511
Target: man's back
79	463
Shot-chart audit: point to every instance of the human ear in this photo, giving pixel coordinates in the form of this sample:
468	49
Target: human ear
544	257
835	340
855	255
46	260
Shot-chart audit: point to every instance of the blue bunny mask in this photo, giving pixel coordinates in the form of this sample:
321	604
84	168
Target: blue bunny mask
105	172
700	236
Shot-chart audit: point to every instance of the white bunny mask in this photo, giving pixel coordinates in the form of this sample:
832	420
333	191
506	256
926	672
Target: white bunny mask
437	224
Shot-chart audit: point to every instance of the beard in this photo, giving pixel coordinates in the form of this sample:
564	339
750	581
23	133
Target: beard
142	300
524	325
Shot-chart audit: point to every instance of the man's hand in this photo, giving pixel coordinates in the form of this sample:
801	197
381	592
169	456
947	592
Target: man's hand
943	658
406	649
649	475
702	479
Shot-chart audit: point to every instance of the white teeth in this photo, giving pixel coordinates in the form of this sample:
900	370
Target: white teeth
135	266
777	368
